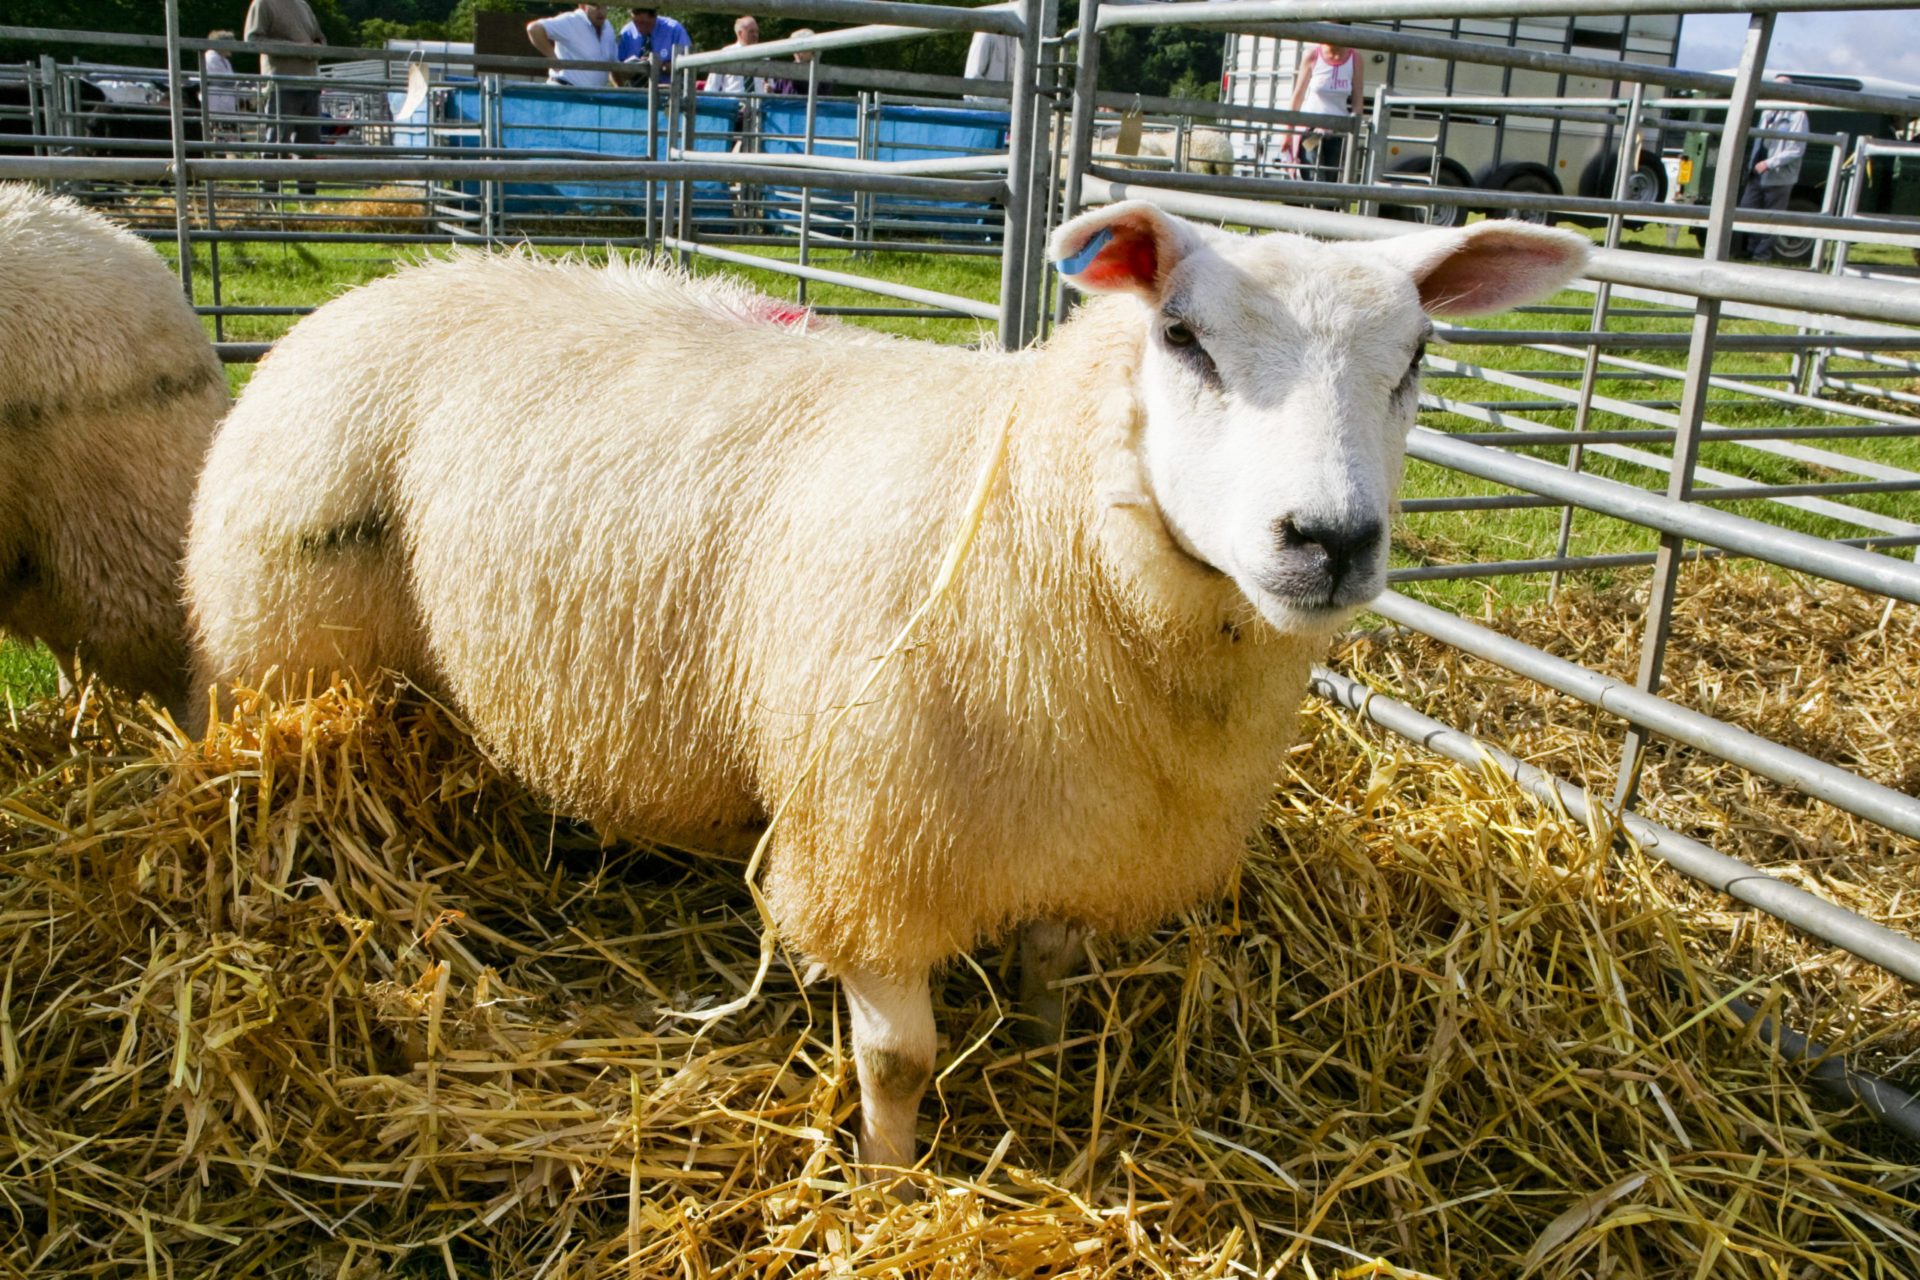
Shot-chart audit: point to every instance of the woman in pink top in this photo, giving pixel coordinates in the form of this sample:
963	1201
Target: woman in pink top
1331	74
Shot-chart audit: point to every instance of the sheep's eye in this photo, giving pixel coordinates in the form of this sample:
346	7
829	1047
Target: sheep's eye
1413	370
1179	335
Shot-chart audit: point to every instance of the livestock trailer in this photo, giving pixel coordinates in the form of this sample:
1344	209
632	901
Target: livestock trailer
1461	123
1889	184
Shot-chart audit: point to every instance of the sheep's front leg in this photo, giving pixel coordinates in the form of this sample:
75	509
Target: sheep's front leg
1049	951
893	1046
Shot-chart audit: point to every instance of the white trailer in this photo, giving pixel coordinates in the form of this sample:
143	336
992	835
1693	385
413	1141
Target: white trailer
1459	123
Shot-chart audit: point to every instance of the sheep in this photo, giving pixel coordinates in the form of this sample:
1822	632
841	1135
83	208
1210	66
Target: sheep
1208	150
109	392
650	595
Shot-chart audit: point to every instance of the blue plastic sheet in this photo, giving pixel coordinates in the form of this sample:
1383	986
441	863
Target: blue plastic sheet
592	122
899	133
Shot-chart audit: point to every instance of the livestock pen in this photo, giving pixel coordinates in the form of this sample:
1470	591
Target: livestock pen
339	999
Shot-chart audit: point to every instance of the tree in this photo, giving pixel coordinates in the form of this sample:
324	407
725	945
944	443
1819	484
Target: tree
1175	62
139	17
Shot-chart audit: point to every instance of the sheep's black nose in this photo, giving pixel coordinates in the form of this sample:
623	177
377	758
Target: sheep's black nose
1316	558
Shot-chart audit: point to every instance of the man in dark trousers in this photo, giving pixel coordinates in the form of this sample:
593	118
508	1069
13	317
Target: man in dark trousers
296	107
1773	166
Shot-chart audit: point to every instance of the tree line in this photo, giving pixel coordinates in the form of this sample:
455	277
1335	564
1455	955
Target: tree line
1166	61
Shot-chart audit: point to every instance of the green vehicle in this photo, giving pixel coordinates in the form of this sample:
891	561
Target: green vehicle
1892	182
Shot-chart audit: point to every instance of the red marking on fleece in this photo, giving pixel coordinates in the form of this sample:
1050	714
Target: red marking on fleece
781	313
1130	259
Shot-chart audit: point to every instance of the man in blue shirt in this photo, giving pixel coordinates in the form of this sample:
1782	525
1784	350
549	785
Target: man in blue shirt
650	33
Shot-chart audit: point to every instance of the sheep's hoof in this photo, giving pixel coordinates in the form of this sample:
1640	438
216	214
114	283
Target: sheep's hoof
1042	1018
1048	952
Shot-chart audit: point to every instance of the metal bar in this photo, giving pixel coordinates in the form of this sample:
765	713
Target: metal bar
1237	13
345	171
1716	243
1086	77
1397	192
1464	337
1894	952
886	289
987	163
1553	436
650	189
1148	104
1774	492
1626	163
182	211
1729	282
1013	320
1784	547
806	193
1375	38
1836	786
1652	461
1773	394
1033	237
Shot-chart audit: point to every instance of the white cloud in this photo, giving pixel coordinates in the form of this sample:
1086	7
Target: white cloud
1862	43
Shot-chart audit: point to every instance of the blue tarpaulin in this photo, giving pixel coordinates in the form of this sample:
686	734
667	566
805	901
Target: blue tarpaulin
898	133
615	123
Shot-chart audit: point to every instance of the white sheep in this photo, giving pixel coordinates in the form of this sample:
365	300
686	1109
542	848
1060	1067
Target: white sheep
649	543
109	392
1208	150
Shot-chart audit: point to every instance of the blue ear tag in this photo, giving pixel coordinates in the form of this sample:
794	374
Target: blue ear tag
1088	252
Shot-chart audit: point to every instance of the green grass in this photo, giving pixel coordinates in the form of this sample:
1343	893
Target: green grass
306	275
27	671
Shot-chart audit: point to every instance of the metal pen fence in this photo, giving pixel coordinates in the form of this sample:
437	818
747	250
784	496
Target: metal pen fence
1822	318
698	174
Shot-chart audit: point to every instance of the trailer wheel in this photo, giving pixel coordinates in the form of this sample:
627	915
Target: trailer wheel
1522	176
1647	183
1795	249
1452	174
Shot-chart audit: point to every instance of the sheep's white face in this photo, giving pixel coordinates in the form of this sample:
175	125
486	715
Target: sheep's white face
1280	377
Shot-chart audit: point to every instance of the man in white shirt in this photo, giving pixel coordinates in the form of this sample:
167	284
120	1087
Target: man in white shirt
746	31
578	35
989	57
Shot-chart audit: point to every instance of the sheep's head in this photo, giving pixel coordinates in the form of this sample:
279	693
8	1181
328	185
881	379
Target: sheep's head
1279	377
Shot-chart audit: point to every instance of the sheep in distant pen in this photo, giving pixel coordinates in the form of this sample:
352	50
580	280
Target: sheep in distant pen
651	596
1208	150
109	392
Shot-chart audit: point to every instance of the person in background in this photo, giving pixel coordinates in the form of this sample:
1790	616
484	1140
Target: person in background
578	35
1773	166
1329	83
647	32
799	83
216	84
296	107
989	57
746	33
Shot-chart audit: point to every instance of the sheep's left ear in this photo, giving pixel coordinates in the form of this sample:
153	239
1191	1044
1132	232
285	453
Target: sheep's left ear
1487	267
1130	247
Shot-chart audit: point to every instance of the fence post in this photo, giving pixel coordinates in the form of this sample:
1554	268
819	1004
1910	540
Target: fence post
1624	170
1079	142
1013	248
1376	146
1040	154
650	68
1717	241
1803	364
182	191
812	131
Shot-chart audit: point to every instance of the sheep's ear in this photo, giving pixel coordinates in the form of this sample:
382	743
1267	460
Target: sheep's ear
1487	267
1130	247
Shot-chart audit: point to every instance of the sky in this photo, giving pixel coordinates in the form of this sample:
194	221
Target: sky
1868	42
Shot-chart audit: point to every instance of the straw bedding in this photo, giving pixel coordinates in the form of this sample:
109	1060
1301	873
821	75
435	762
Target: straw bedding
327	996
